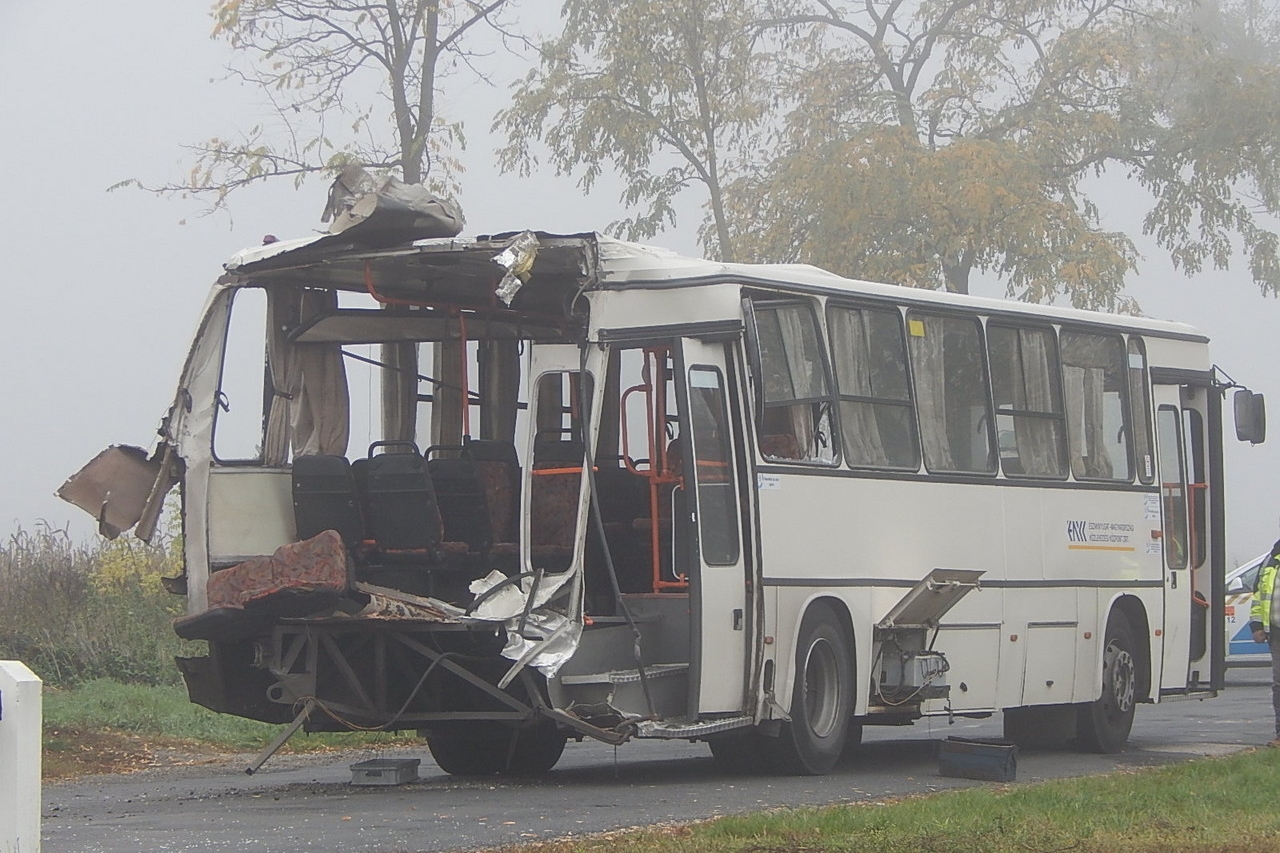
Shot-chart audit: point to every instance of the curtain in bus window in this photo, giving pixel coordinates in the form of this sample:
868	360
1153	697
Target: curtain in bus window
1038	439
796	412
322	417
1028	413
1094	382
877	421
801	371
310	409
951	388
927	363
852	361
284	305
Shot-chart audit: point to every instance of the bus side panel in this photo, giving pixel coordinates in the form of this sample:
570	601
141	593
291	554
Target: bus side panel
250	513
866	542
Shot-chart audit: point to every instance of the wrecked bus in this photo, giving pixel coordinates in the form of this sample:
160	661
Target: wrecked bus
515	489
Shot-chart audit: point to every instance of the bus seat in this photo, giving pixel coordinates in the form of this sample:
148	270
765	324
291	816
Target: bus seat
624	501
460	496
498	468
553	503
325	498
403	514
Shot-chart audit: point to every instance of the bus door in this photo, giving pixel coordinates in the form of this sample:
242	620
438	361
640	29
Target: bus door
1175	536
709	531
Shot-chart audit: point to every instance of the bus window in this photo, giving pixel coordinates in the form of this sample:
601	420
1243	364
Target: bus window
1094	382
1025	382
556	475
239	425
1140	403
713	467
877	416
1197	487
951	393
1173	497
795	410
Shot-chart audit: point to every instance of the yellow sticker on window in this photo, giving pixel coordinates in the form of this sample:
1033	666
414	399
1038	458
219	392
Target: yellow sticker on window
916	328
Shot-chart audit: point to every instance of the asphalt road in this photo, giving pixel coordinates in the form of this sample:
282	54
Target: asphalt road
307	803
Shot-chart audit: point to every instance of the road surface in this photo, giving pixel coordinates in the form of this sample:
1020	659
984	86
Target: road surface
301	803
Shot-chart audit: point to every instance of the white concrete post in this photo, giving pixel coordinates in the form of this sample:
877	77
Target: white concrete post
20	738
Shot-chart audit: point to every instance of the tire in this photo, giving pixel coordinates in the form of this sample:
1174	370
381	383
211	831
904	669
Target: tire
852	740
470	750
537	749
741	753
821	700
1041	727
1104	724
482	749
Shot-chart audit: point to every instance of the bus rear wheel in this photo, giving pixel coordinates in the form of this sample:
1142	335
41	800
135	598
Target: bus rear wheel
485	749
469	750
810	744
1104	724
537	749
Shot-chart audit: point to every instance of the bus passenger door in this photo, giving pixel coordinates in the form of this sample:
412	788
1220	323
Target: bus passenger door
709	531
1175	538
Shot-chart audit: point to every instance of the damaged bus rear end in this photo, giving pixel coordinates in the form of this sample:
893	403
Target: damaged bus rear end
432	574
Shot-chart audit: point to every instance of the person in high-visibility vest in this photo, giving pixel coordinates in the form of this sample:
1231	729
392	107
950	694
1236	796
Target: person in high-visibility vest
1264	621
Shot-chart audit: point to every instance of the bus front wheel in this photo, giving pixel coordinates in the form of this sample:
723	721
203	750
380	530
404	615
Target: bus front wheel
1104	724
821	700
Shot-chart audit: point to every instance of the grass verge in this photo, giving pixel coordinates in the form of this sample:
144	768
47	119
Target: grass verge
1223	805
105	726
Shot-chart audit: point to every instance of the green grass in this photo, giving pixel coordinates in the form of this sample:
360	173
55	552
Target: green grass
165	712
1229	805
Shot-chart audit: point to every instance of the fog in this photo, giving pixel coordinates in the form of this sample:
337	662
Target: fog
104	288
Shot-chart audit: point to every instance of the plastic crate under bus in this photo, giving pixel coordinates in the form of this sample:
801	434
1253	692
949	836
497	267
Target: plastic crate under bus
385	771
973	758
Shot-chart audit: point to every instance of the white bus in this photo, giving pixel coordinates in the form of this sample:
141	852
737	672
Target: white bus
512	490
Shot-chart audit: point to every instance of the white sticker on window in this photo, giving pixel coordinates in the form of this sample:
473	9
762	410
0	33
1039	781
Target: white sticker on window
768	482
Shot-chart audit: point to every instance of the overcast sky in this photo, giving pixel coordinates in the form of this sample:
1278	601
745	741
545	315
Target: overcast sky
102	289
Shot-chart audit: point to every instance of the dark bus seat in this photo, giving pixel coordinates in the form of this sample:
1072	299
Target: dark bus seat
325	498
498	468
460	495
403	514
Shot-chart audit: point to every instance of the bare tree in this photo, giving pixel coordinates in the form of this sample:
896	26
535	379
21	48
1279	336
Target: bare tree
348	83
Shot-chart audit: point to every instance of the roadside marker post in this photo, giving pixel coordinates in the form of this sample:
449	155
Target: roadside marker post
21	715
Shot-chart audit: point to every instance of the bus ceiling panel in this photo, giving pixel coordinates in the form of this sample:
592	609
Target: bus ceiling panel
452	272
372	326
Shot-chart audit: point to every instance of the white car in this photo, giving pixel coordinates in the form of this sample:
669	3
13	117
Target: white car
1241	649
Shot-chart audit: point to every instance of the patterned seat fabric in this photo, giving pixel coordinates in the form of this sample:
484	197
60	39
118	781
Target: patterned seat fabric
498	469
317	565
553	503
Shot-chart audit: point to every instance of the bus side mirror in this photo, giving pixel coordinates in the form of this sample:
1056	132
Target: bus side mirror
1251	416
